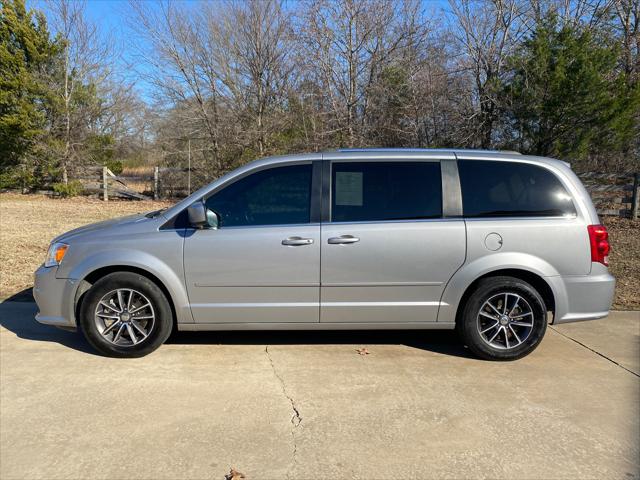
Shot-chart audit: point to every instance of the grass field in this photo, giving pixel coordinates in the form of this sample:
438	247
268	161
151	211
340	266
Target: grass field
29	222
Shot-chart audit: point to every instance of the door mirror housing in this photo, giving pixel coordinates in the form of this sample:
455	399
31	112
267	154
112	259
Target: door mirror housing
201	217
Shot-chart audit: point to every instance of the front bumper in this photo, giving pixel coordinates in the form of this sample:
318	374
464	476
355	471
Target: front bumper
584	297
54	297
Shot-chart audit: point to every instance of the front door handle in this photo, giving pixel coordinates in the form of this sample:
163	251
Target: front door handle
342	239
297	241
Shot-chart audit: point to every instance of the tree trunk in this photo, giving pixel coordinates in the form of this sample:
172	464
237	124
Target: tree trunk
67	113
260	113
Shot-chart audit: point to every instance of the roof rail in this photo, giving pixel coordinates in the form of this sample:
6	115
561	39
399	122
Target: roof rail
447	150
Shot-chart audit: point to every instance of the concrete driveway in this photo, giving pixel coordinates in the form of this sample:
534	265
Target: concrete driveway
307	405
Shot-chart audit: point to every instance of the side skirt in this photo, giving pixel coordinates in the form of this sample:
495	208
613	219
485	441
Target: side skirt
192	327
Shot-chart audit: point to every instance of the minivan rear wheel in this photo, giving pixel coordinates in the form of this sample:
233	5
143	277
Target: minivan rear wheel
124	314
503	319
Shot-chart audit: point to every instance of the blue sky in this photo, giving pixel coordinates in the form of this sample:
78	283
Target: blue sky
112	13
112	16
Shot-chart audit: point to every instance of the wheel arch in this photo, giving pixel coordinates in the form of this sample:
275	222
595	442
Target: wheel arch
530	268
535	280
93	276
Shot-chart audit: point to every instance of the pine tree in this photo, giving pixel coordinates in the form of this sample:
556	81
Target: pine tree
25	50
566	98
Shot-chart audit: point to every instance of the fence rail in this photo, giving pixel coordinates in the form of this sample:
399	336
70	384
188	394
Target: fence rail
105	183
613	193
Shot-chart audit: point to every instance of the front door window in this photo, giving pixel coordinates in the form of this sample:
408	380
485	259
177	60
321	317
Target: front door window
274	196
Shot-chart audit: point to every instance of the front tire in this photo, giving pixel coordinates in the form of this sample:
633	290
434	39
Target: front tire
505	318
125	315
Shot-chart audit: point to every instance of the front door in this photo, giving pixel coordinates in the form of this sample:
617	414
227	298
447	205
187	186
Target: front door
387	251
263	262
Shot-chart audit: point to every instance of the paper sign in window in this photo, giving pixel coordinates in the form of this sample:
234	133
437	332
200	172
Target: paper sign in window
349	188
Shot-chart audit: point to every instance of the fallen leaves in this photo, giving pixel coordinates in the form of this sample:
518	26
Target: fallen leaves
624	260
234	475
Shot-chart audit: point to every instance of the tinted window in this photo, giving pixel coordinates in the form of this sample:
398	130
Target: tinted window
385	191
276	196
494	189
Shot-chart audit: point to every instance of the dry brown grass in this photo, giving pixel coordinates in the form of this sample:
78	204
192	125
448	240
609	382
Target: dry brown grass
29	222
138	179
144	170
138	186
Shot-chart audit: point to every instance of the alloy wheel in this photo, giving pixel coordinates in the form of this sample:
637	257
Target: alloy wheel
124	317
505	320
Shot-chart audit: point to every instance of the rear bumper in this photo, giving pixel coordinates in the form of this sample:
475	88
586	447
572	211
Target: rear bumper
584	297
54	297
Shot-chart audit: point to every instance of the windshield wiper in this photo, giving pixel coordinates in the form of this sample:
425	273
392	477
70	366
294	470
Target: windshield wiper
155	213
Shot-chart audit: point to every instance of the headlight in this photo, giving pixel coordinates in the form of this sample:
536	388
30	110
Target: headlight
55	254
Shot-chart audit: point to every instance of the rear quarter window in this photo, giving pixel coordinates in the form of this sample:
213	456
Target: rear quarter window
498	189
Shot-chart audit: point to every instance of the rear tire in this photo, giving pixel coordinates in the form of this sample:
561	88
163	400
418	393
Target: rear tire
505	318
125	315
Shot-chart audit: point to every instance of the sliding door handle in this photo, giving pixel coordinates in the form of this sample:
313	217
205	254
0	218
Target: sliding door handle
343	239
297	241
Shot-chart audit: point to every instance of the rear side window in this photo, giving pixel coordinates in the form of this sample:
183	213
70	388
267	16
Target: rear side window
496	189
376	191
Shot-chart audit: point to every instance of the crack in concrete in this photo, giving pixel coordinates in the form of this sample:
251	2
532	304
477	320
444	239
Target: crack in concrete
296	418
595	351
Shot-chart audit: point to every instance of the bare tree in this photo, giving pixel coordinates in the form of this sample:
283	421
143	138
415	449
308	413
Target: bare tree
86	59
347	43
243	78
627	13
486	33
253	40
588	14
180	59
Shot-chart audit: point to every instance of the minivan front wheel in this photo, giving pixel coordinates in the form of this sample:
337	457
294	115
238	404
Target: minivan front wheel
125	314
503	319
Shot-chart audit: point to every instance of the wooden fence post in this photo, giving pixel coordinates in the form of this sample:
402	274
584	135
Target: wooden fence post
105	195
156	193
634	199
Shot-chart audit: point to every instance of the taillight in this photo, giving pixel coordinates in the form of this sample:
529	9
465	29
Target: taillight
599	239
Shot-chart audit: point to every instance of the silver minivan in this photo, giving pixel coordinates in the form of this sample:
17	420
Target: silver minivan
487	243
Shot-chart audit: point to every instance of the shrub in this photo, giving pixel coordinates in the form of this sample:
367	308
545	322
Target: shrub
71	189
115	166
16	178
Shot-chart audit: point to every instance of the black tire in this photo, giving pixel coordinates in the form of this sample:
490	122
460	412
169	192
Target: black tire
157	333
493	288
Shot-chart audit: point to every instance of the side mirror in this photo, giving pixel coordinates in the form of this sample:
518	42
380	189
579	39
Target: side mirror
201	217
